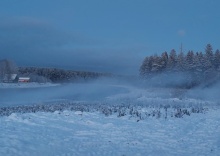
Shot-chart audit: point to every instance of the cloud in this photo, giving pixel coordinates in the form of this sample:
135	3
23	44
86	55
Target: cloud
29	36
119	61
31	33
181	32
33	42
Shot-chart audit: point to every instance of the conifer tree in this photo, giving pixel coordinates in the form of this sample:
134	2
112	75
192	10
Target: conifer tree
156	65
171	64
180	62
217	60
197	67
209	53
144	69
164	60
189	60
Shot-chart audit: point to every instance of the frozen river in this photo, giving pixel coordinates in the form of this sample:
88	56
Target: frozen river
33	94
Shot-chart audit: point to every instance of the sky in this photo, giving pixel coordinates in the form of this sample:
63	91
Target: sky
112	36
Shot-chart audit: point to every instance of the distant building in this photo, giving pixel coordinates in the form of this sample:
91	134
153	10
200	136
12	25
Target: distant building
23	79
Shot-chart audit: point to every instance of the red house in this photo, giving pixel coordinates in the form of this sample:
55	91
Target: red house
23	79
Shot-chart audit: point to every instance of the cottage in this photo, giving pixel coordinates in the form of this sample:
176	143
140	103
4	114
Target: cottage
23	79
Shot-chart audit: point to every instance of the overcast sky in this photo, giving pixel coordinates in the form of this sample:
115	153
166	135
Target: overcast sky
103	35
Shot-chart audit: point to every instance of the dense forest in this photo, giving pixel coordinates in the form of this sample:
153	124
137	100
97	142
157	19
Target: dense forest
182	70
58	75
8	68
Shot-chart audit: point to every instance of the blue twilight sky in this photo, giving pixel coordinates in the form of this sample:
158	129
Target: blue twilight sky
104	35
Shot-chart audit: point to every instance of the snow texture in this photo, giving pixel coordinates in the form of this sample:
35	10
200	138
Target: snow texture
91	119
84	133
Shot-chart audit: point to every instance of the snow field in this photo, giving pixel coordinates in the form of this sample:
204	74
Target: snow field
92	119
92	133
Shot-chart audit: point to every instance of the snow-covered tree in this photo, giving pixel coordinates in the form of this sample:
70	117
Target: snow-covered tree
172	60
197	70
7	68
164	60
189	61
209	53
217	60
196	67
197	63
157	64
180	62
145	67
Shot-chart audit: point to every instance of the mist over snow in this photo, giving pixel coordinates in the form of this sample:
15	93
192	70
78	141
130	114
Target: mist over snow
104	90
108	117
95	85
210	93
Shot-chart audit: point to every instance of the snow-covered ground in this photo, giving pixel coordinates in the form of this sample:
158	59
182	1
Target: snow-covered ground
112	119
27	85
84	133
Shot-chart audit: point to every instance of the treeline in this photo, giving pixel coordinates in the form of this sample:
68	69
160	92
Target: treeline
59	75
194	67
42	75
